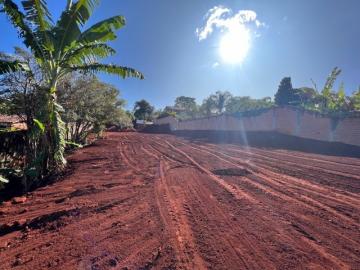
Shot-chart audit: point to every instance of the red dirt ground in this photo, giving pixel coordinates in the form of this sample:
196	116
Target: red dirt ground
141	201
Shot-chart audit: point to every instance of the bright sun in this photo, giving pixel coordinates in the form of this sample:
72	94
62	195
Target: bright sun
235	45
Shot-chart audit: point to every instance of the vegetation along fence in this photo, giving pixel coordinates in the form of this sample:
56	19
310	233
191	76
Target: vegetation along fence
285	120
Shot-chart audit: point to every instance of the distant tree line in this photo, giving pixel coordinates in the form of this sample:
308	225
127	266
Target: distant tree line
325	100
215	104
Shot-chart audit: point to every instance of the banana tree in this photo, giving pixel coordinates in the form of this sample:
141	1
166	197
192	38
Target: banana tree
59	48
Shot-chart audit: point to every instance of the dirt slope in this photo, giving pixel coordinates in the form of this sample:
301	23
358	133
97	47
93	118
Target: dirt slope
141	201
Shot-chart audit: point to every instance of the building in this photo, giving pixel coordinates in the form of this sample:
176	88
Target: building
12	122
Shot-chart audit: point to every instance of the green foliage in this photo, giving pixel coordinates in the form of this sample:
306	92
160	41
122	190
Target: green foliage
89	106
143	110
121	119
243	104
207	107
327	101
74	144
215	103
185	107
7	66
40	125
329	84
164	113
285	94
4	107
60	48
355	100
304	96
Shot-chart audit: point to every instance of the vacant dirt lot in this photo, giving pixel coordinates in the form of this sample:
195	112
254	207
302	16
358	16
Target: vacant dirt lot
141	201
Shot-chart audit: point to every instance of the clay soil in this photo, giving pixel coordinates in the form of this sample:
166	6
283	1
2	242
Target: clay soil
145	201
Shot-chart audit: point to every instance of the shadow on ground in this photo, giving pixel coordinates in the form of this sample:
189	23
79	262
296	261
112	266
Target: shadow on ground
273	140
267	140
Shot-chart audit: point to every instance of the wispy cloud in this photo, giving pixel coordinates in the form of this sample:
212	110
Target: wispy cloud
223	18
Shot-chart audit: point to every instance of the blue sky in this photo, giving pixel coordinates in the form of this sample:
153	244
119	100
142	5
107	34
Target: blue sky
303	39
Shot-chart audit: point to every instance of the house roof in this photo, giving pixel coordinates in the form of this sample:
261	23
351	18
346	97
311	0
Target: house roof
10	118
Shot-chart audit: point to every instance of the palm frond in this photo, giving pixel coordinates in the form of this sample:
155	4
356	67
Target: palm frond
88	53
38	13
12	66
18	19
102	31
68	26
121	71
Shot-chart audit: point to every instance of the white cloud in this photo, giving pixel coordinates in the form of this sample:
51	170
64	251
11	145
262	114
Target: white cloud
215	65
222	18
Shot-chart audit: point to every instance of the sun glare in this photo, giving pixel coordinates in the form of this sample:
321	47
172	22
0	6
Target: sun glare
235	45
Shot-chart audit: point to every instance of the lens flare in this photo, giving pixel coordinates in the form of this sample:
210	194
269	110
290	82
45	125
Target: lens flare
235	45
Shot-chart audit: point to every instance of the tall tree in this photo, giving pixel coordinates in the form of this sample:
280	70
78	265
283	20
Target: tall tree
60	48
89	105
184	102
216	103
207	107
143	110
285	94
187	107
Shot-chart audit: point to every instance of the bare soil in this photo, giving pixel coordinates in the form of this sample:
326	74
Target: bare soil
144	201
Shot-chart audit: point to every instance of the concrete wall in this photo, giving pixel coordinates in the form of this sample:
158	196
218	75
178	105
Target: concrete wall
283	120
347	131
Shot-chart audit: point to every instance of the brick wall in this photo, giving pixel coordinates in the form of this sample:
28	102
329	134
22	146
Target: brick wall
286	121
315	127
283	120
348	131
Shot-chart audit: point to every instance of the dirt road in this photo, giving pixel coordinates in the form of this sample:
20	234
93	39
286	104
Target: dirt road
141	201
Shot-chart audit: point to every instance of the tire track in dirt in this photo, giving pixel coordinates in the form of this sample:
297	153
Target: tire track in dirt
187	255
299	160
172	213
237	192
275	178
296	183
339	160
133	165
222	241
305	203
93	239
317	161
334	261
141	201
297	166
219	239
334	171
